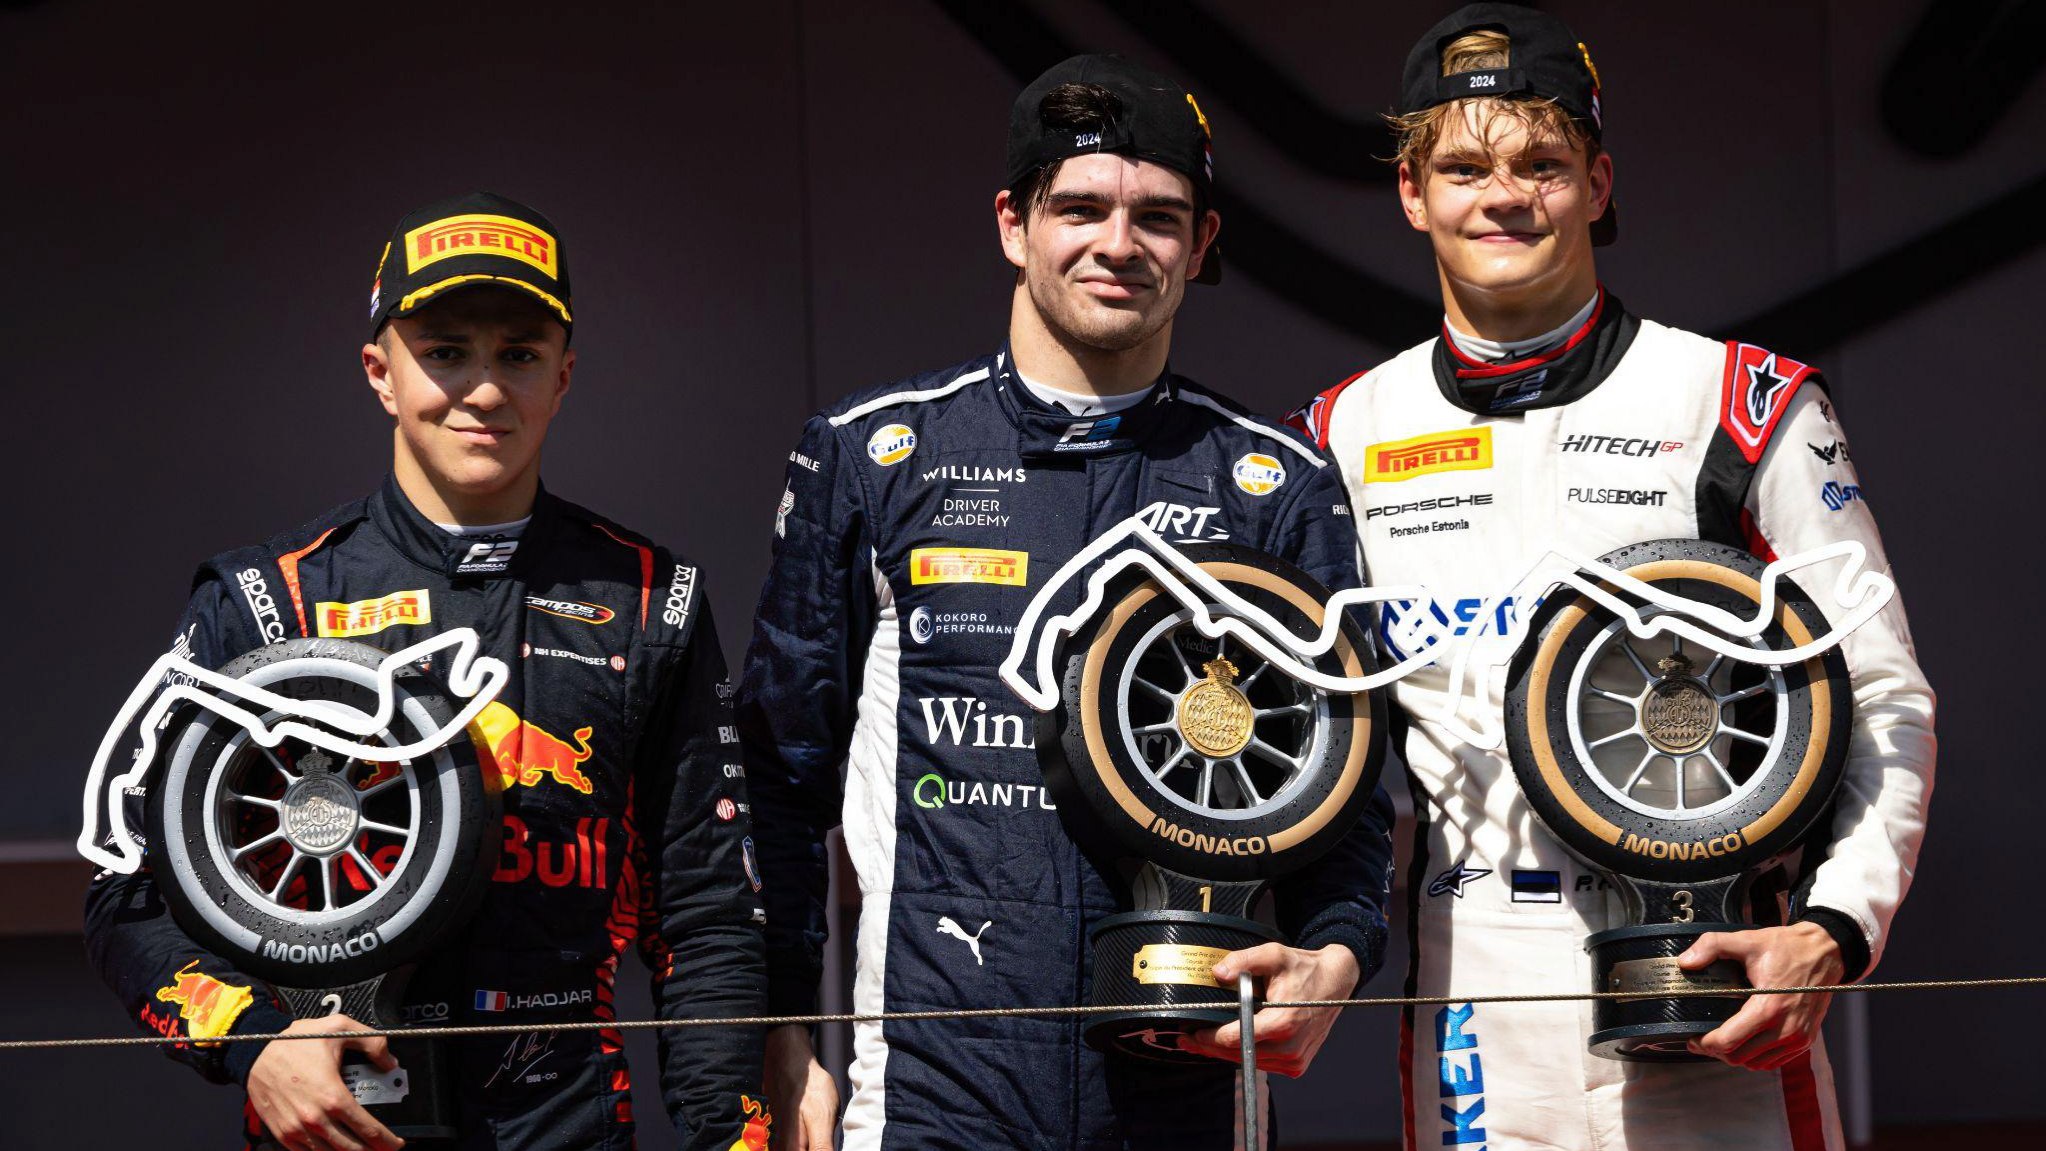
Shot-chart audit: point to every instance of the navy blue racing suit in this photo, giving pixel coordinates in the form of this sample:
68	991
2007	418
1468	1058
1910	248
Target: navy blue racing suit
917	520
625	820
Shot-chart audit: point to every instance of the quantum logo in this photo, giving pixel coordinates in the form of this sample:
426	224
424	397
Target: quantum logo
1398	460
934	792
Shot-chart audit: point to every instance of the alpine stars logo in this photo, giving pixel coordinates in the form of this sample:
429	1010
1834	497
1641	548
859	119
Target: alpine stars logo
950	719
1451	881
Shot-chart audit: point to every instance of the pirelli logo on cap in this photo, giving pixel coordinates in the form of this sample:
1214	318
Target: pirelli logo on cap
367	617
1468	450
478	234
969	565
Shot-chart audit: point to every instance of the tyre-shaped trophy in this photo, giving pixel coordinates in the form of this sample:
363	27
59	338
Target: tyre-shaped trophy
1213	767
329	875
1678	768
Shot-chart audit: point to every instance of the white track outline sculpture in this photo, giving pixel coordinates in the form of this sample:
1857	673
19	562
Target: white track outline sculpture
479	678
1858	594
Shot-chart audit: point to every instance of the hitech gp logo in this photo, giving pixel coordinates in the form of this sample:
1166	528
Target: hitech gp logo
891	445
1258	474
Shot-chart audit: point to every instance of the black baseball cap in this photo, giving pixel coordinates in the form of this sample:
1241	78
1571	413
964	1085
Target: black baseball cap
481	239
1159	121
1548	61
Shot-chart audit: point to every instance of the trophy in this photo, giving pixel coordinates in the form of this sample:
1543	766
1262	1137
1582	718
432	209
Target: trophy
320	820
1179	746
1679	767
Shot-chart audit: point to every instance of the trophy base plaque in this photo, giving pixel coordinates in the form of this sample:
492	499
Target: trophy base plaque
416	1098
1159	960
1657	1027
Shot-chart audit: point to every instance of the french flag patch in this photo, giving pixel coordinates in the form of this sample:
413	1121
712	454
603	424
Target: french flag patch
491	1000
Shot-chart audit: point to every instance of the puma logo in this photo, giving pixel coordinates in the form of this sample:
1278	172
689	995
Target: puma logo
947	926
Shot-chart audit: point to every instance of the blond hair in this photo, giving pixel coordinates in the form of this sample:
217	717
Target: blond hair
1545	121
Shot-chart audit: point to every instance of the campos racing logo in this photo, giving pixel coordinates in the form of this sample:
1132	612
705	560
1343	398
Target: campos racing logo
588	613
892	444
367	617
479	234
1398	460
969	565
1258	474
525	753
208	1006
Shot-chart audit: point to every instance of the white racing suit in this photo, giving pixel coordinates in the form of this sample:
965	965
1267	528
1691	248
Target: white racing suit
1462	474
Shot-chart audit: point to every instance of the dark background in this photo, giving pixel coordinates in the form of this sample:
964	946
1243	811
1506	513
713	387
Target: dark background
768	205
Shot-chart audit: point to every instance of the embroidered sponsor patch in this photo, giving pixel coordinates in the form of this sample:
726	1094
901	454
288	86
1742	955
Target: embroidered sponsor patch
369	616
1459	451
969	565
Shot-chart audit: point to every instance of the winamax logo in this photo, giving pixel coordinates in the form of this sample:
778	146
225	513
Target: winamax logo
965	721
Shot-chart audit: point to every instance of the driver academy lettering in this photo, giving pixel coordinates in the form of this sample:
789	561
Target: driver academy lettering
207	1006
525	753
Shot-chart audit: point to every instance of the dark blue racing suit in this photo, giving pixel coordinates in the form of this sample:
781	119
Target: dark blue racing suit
917	520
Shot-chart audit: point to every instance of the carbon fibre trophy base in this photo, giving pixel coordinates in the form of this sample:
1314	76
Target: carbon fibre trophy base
416	1099
1160	958
1658	1028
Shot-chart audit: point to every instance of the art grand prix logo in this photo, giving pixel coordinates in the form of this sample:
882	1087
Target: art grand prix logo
525	753
1456	451
480	234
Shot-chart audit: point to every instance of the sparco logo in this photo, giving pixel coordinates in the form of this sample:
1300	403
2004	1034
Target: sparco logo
256	590
952	717
322	952
676	612
1618	445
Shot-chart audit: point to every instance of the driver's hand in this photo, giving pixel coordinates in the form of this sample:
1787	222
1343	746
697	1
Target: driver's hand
296	1089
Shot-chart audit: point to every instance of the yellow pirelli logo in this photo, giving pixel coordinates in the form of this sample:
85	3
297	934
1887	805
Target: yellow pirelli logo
969	565
1468	450
479	234
367	617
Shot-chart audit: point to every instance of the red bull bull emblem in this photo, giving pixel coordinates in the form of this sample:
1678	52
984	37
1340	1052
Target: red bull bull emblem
208	1006
753	1137
525	753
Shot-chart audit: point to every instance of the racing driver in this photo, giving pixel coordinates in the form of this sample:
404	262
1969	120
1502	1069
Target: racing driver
917	518
1579	426
621	823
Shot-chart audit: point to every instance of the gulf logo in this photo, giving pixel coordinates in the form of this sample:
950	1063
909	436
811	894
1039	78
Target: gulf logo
1259	474
892	444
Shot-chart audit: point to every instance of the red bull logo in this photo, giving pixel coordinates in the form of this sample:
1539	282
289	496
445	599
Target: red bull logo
525	754
753	1137
208	1006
